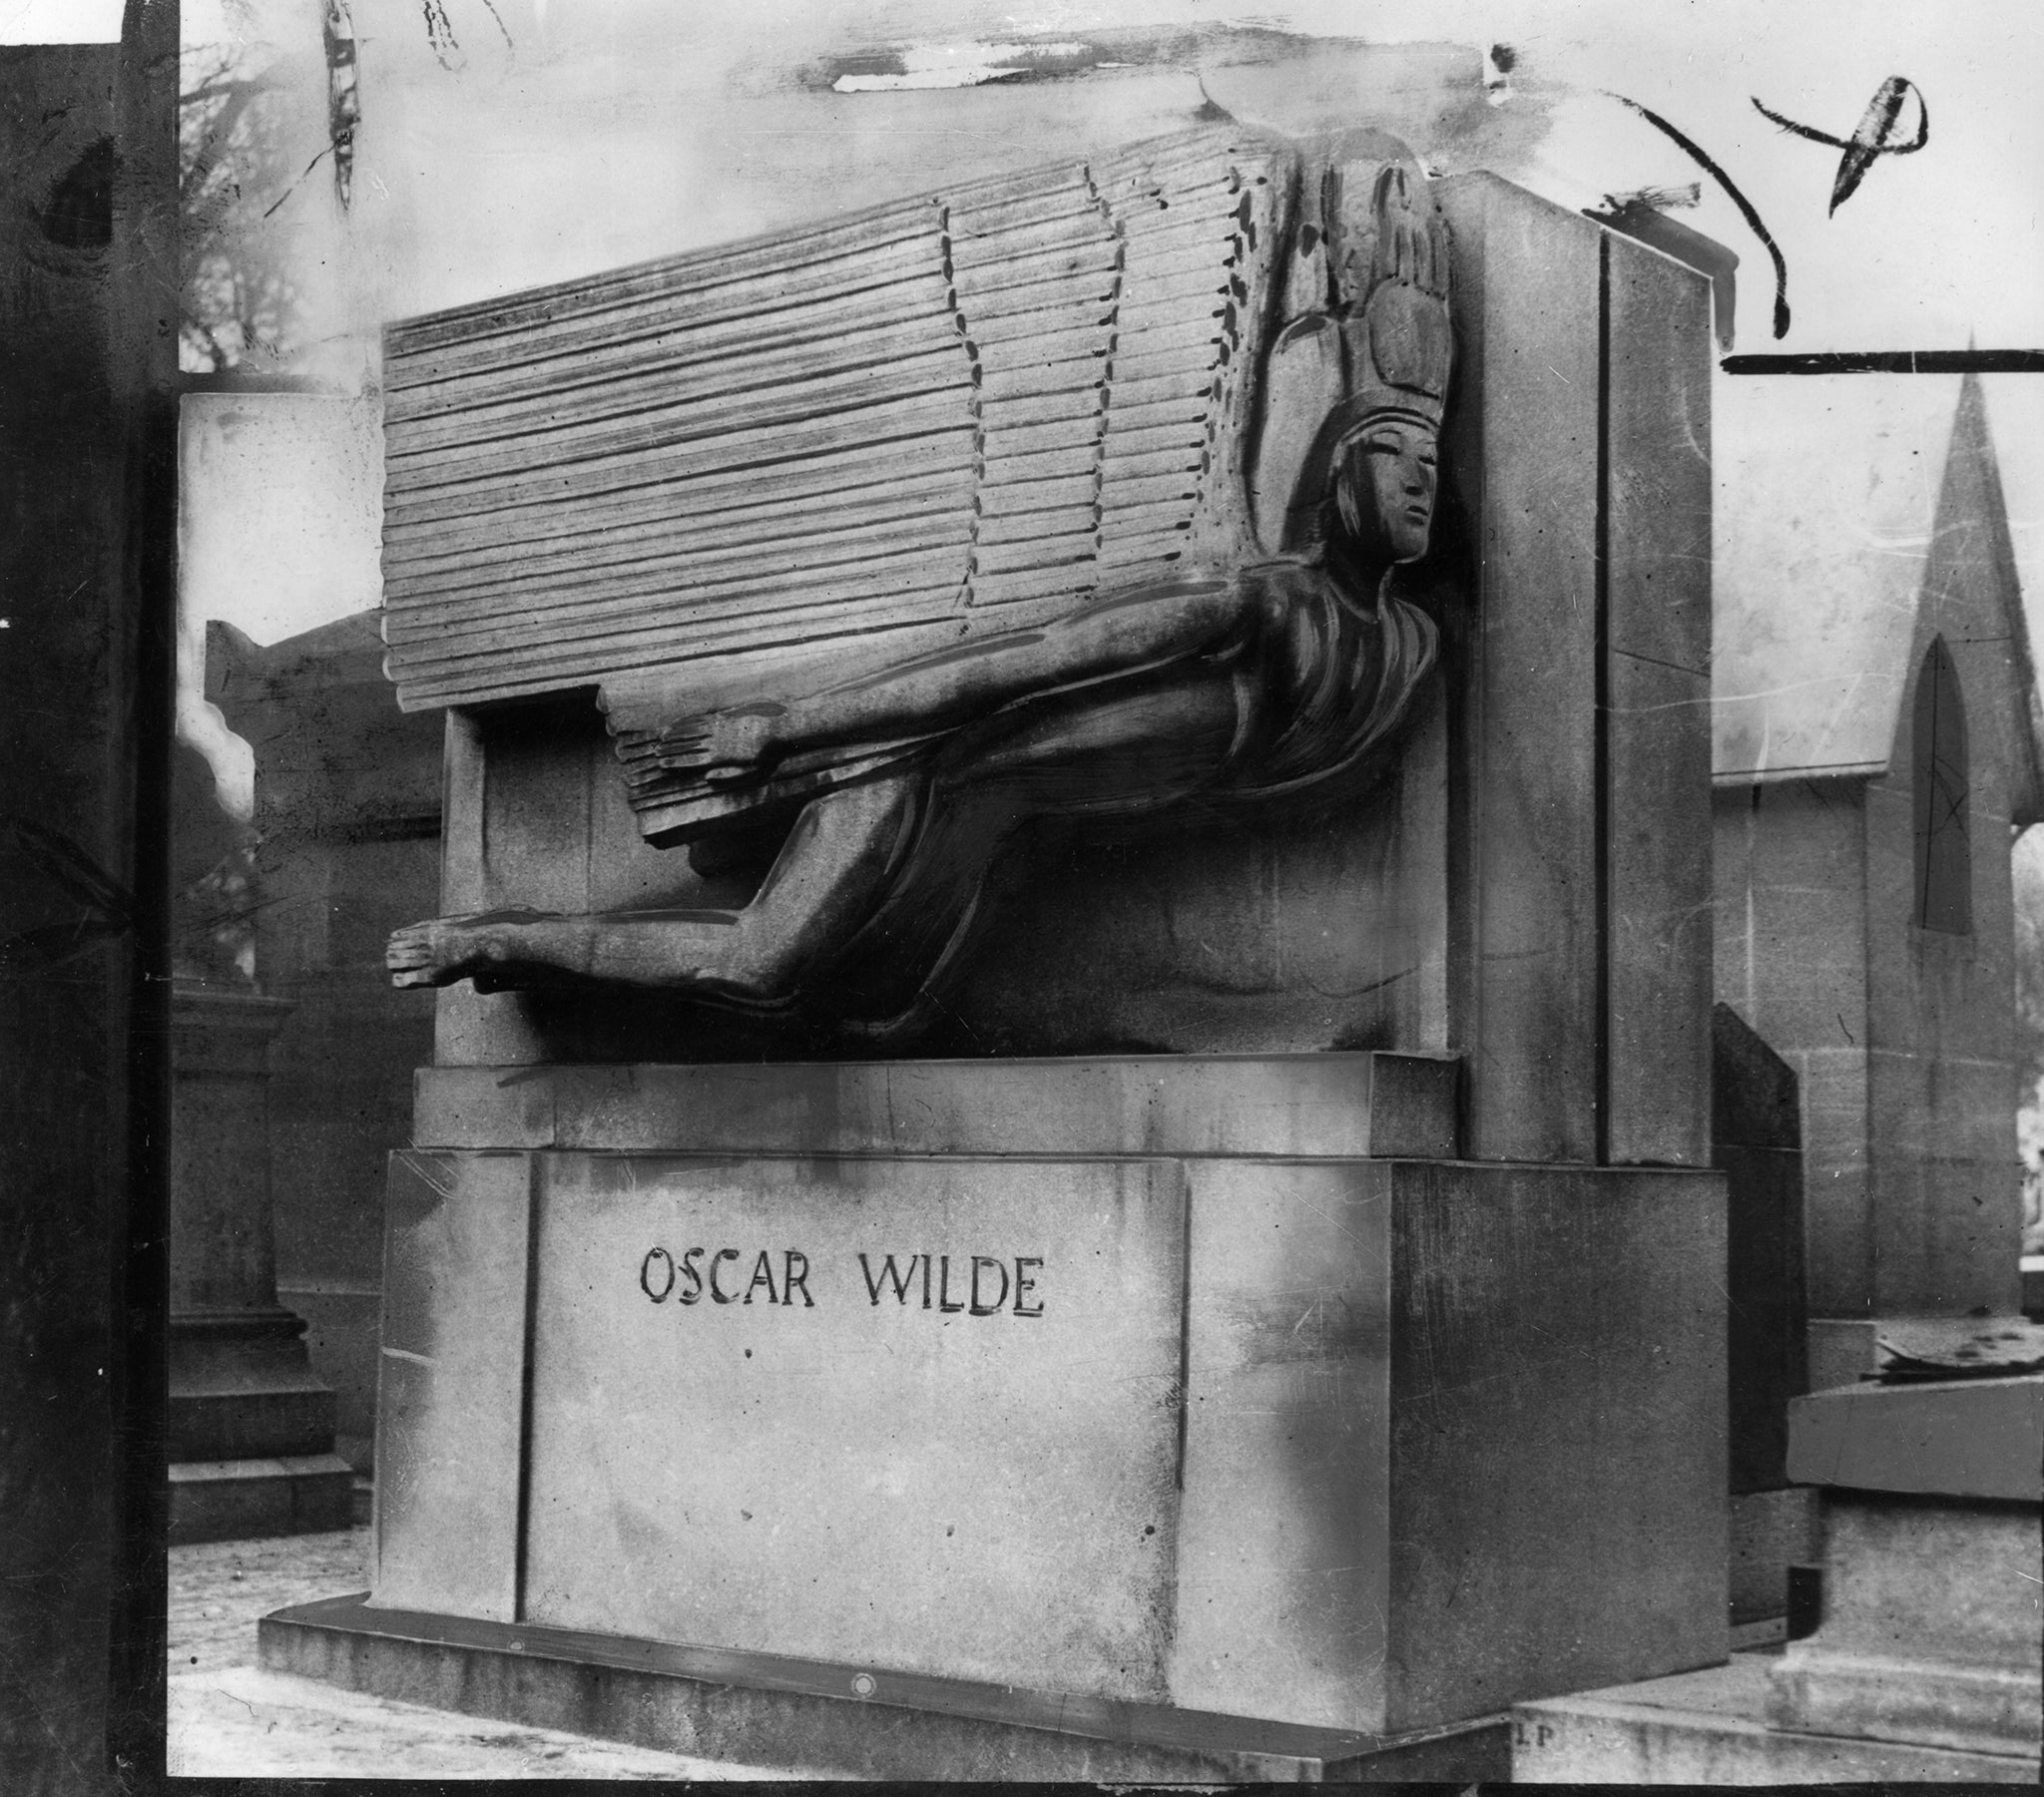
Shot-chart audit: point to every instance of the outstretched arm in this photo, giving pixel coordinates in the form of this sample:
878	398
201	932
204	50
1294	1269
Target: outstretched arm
1121	634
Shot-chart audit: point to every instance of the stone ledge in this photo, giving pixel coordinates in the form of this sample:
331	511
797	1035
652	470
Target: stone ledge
223	1427
1966	1437
1375	1103
229	1500
1920	1701
1710	1728
863	1722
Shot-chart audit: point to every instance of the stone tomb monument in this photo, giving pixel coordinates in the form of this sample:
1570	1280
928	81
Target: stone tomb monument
1070	1125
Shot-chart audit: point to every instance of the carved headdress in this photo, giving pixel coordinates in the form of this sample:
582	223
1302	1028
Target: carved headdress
1377	248
1394	326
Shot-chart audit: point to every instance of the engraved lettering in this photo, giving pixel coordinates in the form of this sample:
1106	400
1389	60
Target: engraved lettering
995	1283
795	1277
645	1274
1024	1283
979	1307
897	1278
716	1291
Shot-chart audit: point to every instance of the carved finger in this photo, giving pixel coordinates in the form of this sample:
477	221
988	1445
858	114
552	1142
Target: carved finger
682	756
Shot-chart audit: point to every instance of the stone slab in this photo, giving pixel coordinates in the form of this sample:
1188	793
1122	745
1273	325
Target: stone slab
240	1424
742	1436
1656	696
1710	1728
1558	1431
838	1717
1968	1437
1377	1103
228	1500
1755	1101
1523	982
1374	1523
1757	1136
1909	1700
1345	1444
1767	1352
1932	1628
449	1409
223	1254
1658	943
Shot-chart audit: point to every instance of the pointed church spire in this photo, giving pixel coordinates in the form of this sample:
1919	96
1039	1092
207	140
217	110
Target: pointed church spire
1972	521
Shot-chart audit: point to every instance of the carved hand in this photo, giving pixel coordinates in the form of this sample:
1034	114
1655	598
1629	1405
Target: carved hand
723	747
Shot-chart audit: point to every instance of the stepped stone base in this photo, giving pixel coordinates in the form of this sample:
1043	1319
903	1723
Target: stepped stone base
1711	1728
761	1708
234	1500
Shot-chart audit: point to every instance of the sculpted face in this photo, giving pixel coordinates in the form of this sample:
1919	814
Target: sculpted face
1384	487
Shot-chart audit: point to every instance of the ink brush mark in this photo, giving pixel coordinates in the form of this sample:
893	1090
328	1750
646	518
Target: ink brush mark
1872	140
1892	361
1696	152
1644	217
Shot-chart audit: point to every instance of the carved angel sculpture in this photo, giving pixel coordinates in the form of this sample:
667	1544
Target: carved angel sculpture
1218	684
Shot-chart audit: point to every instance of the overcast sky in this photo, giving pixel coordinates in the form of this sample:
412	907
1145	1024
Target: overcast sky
536	140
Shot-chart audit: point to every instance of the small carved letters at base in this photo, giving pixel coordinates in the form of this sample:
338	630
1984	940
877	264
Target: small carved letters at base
1122	539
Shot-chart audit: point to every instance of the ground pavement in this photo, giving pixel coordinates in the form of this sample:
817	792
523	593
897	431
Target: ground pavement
229	1719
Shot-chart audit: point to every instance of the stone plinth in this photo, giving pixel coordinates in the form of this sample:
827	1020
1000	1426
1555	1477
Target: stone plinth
1929	1636
251	1426
953	1378
1934	1502
1928	1660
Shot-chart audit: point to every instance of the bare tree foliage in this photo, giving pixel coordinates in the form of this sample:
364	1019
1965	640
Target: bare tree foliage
240	295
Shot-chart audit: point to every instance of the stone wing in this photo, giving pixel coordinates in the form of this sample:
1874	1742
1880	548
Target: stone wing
695	479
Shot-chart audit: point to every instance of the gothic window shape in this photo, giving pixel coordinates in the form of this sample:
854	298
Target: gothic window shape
1944	862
